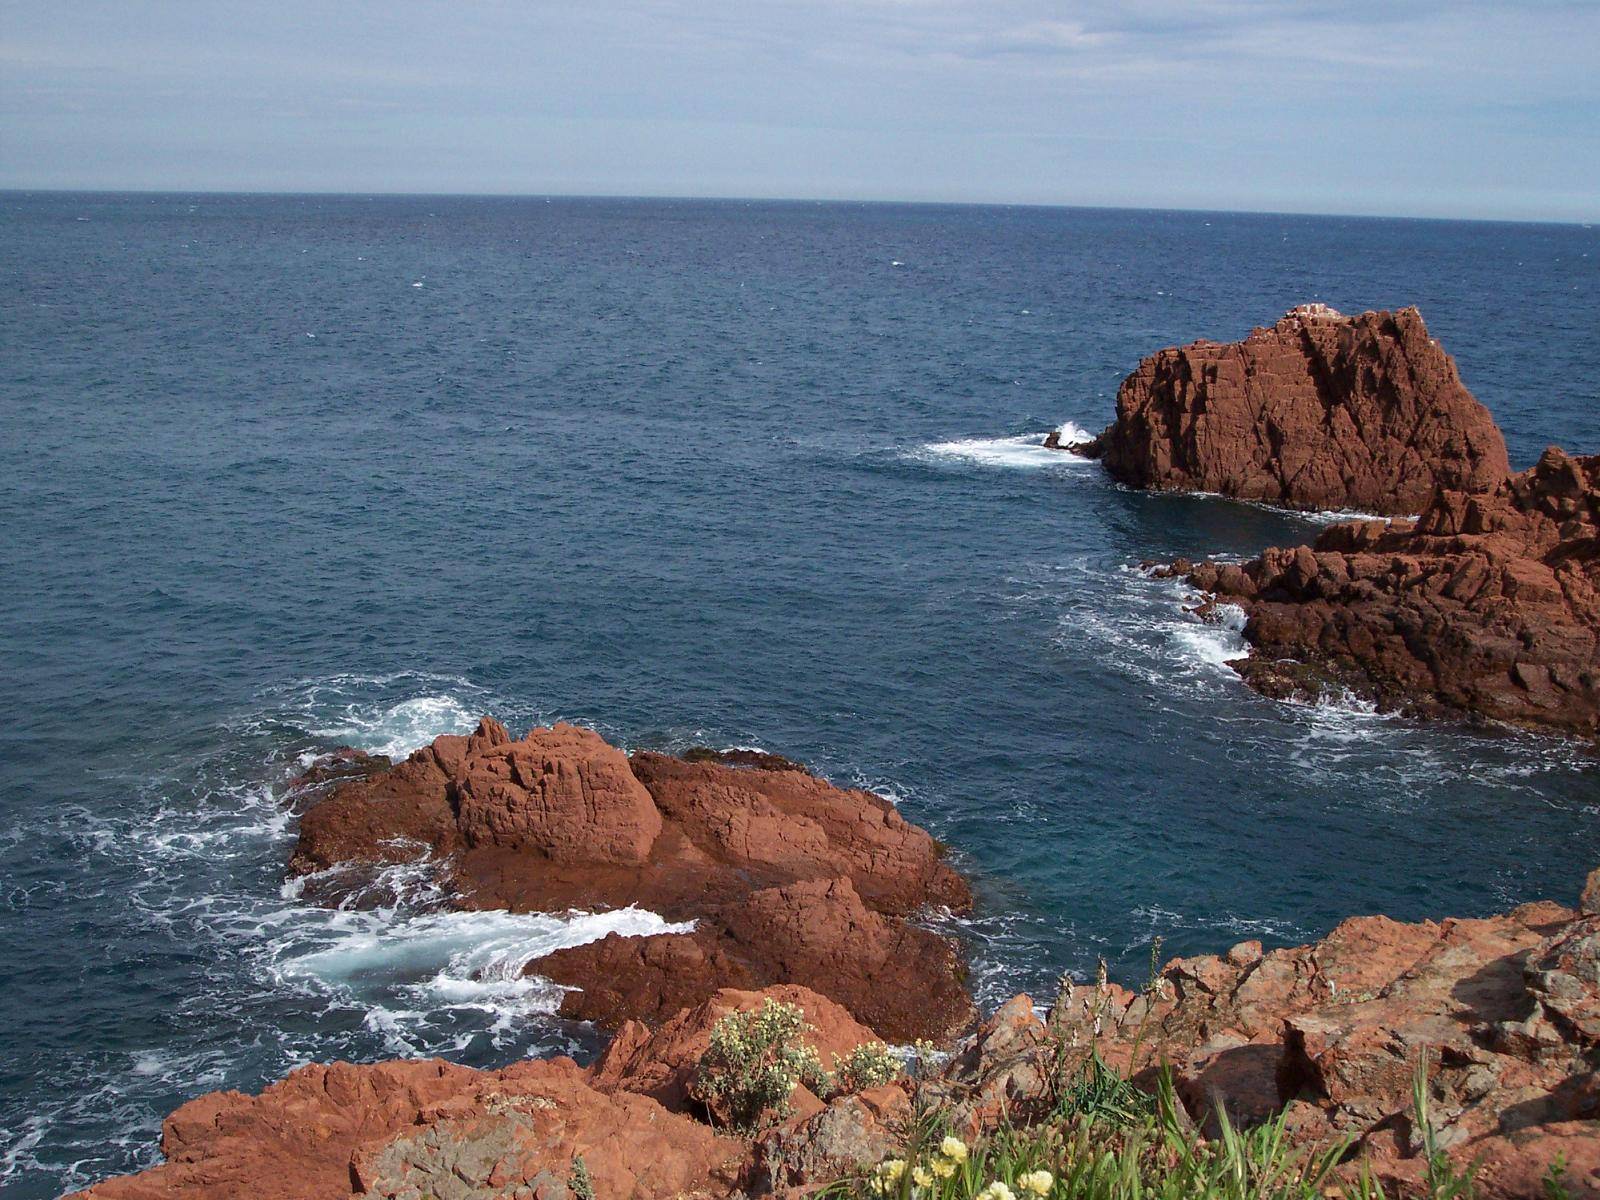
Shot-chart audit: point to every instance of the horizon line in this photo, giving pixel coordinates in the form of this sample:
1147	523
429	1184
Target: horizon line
341	193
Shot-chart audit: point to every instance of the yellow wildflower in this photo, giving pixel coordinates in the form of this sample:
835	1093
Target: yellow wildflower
1037	1182
997	1191
943	1167
954	1149
922	1177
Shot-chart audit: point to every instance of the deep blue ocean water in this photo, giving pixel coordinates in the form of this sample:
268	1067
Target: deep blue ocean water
282	473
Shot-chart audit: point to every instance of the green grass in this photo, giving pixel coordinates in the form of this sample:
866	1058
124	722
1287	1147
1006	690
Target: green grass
1104	1140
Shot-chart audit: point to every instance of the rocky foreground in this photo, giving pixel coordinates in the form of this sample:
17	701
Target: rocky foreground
1488	604
1505	1012
787	878
1319	411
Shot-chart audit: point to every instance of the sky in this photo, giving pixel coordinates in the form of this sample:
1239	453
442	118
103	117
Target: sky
1464	108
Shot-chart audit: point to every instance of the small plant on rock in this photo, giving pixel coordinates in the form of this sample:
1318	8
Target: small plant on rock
581	1185
869	1065
755	1059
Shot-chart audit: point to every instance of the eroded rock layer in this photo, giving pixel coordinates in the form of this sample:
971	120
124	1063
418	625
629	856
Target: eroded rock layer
787	878
1504	1012
1320	411
1488	604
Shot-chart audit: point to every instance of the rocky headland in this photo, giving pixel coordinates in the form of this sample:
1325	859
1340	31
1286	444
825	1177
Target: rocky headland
1319	411
1487	604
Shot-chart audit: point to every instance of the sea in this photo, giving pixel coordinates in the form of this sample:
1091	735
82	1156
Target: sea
284	473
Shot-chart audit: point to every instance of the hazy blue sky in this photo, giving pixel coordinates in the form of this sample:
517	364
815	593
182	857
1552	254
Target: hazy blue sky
1463	108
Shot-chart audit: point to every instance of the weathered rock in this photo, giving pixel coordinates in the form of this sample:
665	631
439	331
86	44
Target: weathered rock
788	878
1321	411
1002	1072
1488	604
408	1130
898	979
1506	1011
851	1133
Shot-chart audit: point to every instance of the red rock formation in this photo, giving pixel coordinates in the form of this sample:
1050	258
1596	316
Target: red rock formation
788	878
1507	1010
1321	411
1488	604
900	980
414	1129
430	1128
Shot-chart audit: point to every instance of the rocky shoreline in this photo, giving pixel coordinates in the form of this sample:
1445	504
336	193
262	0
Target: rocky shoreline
787	878
1503	1013
1487	605
790	891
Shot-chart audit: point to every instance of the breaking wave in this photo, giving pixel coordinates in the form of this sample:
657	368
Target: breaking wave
1026	451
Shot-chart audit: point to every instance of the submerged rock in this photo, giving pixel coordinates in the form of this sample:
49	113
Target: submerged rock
1320	411
1488	604
787	878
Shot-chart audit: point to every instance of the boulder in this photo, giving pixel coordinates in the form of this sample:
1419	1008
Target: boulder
1320	411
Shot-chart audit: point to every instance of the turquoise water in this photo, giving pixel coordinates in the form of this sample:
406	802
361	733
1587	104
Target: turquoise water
282	473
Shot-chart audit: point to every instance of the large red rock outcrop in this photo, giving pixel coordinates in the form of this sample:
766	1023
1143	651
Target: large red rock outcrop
787	878
1489	604
1321	411
1505	1009
413	1129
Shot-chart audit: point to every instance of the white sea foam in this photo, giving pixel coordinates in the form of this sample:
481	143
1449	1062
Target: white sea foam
1026	451
1215	642
1150	632
408	971
398	729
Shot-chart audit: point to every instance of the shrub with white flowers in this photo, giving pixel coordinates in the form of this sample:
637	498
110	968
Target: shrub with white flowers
752	1065
871	1064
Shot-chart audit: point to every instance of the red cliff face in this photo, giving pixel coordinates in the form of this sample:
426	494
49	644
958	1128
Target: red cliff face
1489	604
1321	411
787	878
